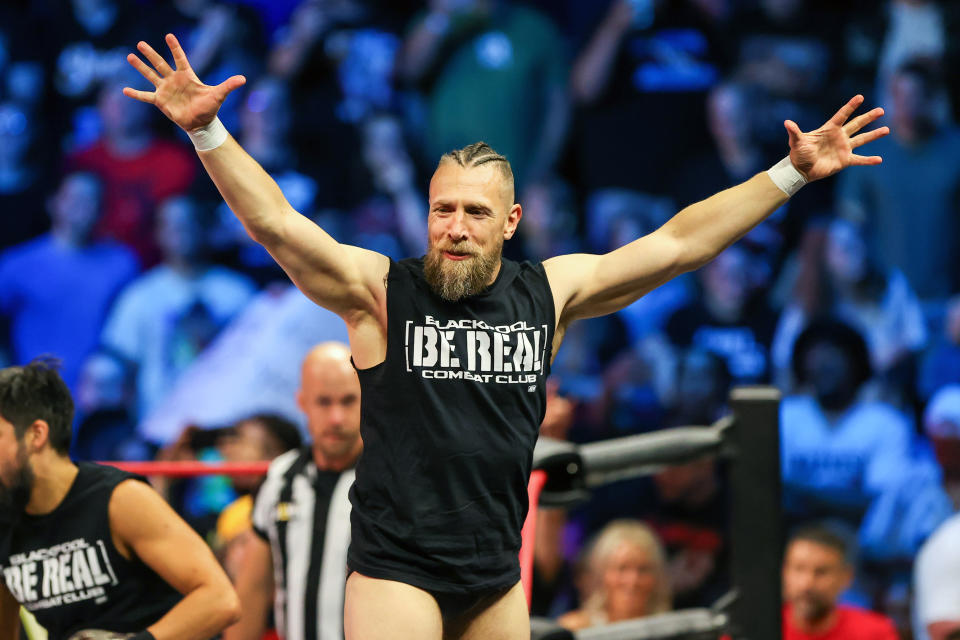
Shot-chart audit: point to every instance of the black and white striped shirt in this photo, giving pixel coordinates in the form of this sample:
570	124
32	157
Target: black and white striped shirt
304	514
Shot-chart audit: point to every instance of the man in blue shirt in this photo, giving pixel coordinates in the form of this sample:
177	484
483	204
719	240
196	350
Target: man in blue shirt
56	290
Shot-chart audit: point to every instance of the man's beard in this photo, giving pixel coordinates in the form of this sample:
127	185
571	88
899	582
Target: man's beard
15	496
457	279
812	608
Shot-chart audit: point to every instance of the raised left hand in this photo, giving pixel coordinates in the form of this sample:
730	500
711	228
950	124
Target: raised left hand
825	151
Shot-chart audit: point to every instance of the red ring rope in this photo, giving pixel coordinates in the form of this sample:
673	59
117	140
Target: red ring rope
528	534
192	468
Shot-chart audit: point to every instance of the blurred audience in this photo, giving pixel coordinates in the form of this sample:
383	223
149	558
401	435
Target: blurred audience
138	169
490	70
817	569
645	59
839	277
266	122
690	516
88	38
941	424
615	217
106	429
838	452
729	318
393	218
246	369
627	577
165	318
56	289
551	218
24	184
589	347
909	205
941	363
853	459
915	29
789	47
736	155
337	58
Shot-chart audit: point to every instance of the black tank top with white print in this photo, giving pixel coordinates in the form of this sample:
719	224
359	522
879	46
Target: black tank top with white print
449	421
64	568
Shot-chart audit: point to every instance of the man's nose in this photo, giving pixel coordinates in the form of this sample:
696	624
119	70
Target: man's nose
457	229
337	414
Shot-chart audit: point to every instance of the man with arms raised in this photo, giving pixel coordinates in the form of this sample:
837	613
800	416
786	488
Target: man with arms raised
91	551
453	351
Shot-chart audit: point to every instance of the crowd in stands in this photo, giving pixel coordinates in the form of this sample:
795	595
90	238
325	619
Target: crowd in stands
181	338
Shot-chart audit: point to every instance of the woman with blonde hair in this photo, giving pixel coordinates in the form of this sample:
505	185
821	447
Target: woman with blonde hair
627	577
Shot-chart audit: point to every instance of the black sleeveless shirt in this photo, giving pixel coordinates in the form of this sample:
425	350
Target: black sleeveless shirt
64	568
449	421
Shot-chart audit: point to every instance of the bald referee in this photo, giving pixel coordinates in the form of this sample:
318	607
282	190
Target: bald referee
92	552
453	350
296	556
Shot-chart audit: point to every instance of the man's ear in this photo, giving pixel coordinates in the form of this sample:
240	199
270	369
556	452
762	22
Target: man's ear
848	576
513	219
37	436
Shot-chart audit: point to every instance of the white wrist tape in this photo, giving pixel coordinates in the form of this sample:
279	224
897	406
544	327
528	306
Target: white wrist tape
786	176
208	137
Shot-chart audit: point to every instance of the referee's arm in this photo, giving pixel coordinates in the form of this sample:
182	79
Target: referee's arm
254	584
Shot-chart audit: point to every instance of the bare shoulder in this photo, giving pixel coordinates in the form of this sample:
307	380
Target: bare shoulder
136	510
567	271
369	262
563	266
373	269
367	323
567	275
131	493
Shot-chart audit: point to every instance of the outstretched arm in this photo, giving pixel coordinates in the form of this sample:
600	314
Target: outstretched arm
590	285
341	278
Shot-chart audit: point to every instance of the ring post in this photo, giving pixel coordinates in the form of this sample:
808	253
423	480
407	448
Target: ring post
756	529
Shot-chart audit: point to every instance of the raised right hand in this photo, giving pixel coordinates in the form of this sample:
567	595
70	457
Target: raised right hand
179	94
